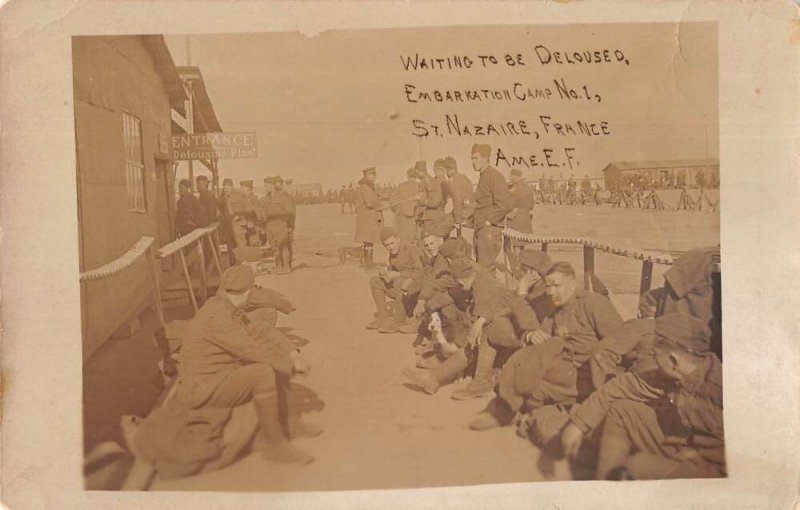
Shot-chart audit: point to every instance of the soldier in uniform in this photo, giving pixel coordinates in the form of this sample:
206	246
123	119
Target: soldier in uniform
462	194
369	215
554	368
244	206
521	216
512	326
189	212
487	297
405	260
403	202
432	201
492	203
207	199
663	418
227	361
226	219
279	212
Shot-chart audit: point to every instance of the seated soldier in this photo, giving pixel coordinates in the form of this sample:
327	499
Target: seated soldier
632	340
443	295
227	361
662	419
405	260
487	296
424	282
513	325
554	368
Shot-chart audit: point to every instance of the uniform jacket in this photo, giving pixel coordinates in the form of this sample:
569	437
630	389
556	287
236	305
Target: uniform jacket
189	214
463	195
698	400
489	296
521	218
582	323
243	204
369	216
434	199
221	339
492	198
627	343
432	277
407	261
210	205
403	198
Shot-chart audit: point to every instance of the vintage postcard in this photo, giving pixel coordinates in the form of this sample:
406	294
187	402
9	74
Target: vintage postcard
481	257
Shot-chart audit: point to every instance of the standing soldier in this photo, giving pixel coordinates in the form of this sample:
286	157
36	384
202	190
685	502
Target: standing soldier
189	213
342	197
403	201
520	218
432	201
369	215
244	205
492	203
463	196
284	206
207	199
226	219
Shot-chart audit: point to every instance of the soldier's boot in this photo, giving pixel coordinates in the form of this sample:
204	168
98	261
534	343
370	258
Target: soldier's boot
496	414
286	255
368	258
445	373
428	363
298	428
483	382
277	448
409	326
397	320
378	321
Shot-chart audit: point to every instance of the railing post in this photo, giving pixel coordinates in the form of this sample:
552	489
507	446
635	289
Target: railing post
544	247
647	276
588	267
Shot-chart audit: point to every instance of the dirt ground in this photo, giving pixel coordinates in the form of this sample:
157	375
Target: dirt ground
378	432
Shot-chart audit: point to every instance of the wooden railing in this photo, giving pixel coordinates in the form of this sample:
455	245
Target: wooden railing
589	248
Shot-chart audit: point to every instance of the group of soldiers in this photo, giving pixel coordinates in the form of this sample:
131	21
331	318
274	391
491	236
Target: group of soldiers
639	399
246	220
446	204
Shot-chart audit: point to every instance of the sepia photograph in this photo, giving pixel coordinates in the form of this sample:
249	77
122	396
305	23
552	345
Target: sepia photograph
399	258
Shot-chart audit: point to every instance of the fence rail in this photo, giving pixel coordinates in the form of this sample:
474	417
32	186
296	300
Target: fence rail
590	246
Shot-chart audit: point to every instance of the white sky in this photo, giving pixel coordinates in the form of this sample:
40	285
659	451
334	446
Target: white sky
326	107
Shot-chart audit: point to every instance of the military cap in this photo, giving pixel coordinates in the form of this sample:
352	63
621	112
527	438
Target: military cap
516	171
421	165
439	163
370	170
267	180
483	149
201	178
227	182
536	260
411	172
185	183
461	268
450	163
238	278
277	179
684	331
247	183
387	233
451	248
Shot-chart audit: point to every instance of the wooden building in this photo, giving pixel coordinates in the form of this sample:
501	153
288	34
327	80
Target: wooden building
690	173
129	98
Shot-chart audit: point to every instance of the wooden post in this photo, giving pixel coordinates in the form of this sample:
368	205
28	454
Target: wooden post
506	248
188	279
151	263
203	279
544	247
647	276
213	241
588	267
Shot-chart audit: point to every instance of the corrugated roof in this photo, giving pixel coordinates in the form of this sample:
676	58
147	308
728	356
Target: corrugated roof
205	119
165	67
674	163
